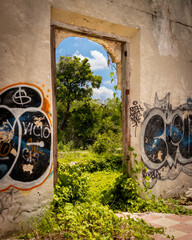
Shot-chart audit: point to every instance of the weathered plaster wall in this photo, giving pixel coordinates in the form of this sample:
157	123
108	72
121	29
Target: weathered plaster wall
26	182
161	64
160	33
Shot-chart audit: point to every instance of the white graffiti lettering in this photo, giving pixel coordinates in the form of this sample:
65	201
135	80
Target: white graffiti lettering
39	131
28	127
20	97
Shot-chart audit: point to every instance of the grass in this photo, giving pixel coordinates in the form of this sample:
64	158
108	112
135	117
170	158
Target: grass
74	156
100	181
77	211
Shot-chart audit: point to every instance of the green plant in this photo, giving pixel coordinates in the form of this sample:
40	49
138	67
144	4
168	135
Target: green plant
91	162
125	195
84	202
106	142
107	161
71	187
100	181
89	221
65	147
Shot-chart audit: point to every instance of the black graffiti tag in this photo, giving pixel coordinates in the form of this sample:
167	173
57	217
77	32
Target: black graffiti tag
34	156
135	115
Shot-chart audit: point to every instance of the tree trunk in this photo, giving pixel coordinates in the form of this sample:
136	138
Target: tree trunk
65	117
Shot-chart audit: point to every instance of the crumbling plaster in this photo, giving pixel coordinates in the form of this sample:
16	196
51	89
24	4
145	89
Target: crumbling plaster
25	58
160	53
164	45
160	36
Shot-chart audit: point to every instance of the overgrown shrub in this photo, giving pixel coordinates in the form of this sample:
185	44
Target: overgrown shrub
65	147
100	181
60	146
94	163
106	143
74	215
125	195
71	187
102	144
89	221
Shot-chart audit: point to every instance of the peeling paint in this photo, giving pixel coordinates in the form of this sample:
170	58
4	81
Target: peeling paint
28	168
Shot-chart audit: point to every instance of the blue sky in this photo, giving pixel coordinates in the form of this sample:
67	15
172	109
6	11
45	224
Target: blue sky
97	55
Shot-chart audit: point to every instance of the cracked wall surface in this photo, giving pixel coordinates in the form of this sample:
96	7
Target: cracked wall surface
160	37
25	112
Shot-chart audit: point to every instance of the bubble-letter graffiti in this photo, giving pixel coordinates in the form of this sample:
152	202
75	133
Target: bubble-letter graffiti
166	140
25	138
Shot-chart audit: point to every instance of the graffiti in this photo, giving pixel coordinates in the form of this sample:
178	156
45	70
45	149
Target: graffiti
8	140
21	96
25	138
189	102
166	141
135	115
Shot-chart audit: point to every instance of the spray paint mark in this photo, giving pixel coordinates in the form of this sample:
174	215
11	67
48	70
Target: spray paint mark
25	137
166	140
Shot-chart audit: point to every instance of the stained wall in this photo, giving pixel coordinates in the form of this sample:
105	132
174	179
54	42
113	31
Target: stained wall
160	104
26	179
159	32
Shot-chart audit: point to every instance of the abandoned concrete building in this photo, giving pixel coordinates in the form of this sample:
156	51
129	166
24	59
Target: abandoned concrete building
151	43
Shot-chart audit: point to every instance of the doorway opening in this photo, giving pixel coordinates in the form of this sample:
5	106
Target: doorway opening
119	53
88	101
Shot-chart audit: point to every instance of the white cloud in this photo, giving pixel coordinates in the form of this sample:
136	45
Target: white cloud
102	93
98	61
108	82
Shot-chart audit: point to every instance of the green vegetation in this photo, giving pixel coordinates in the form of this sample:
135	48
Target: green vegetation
91	187
100	182
89	121
125	195
82	120
74	83
77	211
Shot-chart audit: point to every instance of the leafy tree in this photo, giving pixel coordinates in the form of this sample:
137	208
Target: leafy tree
75	81
80	124
89	119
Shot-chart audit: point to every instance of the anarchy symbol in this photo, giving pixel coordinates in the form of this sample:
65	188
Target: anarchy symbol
20	97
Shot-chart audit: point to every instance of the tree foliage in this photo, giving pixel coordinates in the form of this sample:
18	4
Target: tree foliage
81	119
75	81
90	119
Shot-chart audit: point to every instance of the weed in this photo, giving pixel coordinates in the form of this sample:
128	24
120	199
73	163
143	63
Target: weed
88	193
89	221
125	195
